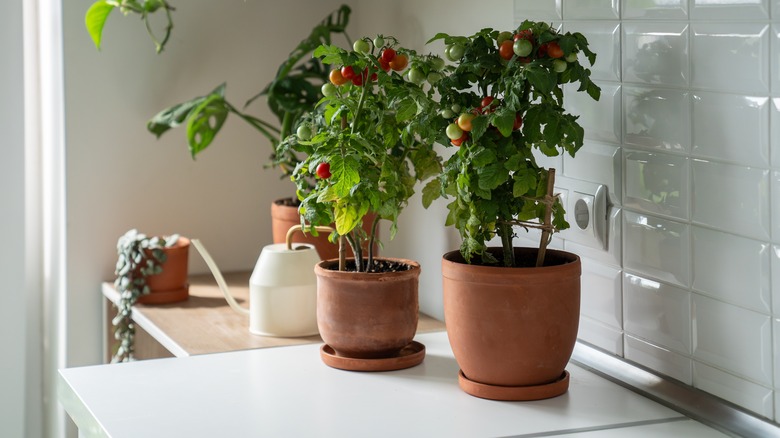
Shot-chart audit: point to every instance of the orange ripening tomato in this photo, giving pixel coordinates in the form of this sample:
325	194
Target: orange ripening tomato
399	62
459	141
336	78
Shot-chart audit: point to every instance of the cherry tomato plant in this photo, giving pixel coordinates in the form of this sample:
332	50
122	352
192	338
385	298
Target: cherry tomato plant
508	105
364	147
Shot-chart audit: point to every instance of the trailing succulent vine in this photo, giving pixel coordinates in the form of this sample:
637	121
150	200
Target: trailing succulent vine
138	257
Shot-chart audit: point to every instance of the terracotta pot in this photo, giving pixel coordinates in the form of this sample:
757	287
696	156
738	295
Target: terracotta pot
367	316
284	216
512	327
171	285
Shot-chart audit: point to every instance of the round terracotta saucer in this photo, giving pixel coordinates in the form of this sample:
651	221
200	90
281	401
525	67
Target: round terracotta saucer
514	393
409	356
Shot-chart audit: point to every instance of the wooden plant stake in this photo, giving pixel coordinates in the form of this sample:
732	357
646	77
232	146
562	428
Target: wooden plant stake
547	225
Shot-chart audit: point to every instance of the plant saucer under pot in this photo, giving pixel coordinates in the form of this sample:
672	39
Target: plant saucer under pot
368	320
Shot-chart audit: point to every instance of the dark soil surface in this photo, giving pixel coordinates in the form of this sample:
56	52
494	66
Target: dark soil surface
378	267
288	202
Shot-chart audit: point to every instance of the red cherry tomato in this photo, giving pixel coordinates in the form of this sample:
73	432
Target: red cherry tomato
384	64
348	72
518	122
485	104
388	54
554	50
542	52
323	170
526	34
506	51
357	80
459	141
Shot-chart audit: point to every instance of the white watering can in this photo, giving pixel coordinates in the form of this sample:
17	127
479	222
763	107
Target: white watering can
282	288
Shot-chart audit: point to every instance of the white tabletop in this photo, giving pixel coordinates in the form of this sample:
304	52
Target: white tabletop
288	391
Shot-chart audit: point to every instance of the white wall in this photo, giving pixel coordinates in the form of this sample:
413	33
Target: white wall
13	301
121	177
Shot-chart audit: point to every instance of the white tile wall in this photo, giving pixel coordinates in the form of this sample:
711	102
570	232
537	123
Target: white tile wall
687	138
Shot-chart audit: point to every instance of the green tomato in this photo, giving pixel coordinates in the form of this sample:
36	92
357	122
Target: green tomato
434	77
328	89
455	52
447	113
361	46
453	131
304	133
571	57
416	76
522	47
437	63
455	108
559	65
503	36
379	42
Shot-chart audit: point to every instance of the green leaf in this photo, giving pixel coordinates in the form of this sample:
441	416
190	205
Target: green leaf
204	123
431	191
504	120
177	114
438	36
346	218
406	110
95	19
344	171
483	157
492	176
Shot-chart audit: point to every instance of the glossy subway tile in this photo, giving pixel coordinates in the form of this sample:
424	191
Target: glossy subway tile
603	39
729	9
601	290
657	312
600	119
657	118
591	9
732	269
613	255
656	247
731	198
600	335
733	58
665	361
657	183
774	131
743	346
741	392
730	127
655	9
656	53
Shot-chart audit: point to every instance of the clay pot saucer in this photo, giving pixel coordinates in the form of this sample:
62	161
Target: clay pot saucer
515	393
409	356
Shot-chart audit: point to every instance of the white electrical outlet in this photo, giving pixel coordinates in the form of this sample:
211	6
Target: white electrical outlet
587	209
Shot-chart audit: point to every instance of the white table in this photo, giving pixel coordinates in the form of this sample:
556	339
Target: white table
288	391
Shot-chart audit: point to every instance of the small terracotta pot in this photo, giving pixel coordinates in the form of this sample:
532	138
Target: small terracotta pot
367	316
284	216
512	327
171	285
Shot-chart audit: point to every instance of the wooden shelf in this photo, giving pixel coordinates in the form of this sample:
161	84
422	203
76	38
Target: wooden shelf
206	324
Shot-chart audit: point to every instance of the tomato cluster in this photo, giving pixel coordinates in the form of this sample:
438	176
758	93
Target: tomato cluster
458	131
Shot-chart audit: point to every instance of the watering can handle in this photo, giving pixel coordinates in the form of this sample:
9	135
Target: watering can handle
218	276
293	229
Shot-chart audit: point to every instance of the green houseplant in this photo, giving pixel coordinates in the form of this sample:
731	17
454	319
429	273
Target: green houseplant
292	93
501	100
148	269
361	144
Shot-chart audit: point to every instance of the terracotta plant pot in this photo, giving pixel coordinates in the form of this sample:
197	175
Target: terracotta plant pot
513	330
171	285
365	315
284	215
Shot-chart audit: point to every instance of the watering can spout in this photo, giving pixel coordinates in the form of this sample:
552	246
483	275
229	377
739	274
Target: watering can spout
218	276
